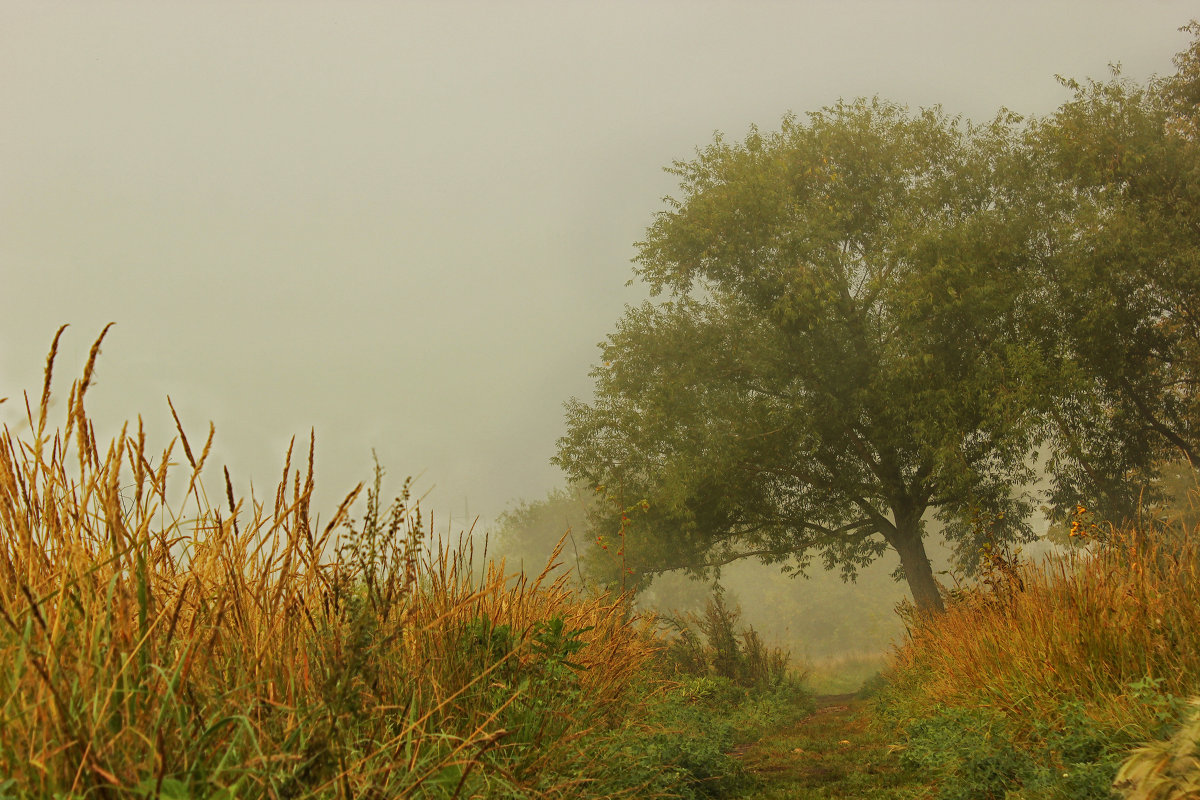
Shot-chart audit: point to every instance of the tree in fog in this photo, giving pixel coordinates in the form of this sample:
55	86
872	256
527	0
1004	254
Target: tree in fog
828	360
527	533
1121	196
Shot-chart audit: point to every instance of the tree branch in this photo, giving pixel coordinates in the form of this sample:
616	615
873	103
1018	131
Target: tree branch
1157	425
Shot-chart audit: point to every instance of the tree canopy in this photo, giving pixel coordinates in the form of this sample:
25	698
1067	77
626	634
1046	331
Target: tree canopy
1119	169
873	319
829	358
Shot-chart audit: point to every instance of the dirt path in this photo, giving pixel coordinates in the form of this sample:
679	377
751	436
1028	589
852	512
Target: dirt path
831	753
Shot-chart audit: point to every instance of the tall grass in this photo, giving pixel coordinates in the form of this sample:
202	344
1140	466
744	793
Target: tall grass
238	649
1070	662
1084	626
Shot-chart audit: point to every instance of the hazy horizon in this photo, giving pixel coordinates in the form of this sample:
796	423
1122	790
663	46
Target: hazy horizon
406	226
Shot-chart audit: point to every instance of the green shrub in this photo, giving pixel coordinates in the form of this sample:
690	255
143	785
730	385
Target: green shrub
970	750
981	754
691	730
873	686
715	645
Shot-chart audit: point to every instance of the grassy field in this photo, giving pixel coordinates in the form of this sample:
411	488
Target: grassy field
235	648
1041	679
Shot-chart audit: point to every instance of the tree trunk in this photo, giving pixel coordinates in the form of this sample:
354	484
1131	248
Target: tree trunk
917	569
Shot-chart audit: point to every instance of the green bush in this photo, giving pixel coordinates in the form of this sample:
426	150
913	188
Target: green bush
715	645
970	750
984	754
872	687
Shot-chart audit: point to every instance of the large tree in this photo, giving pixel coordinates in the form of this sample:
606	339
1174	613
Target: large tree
828	363
1120	190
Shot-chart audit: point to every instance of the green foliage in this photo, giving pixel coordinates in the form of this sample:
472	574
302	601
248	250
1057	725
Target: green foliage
872	686
970	750
527	534
835	356
487	642
696	725
529	686
1115	173
981	754
976	755
695	734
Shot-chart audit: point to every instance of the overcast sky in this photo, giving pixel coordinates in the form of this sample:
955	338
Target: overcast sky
407	225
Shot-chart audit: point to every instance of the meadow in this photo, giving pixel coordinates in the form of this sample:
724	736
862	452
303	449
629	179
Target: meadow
236	648
161	647
1057	678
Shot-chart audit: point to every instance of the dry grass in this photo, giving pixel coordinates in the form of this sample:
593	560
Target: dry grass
236	649
1168	770
1042	679
1092	626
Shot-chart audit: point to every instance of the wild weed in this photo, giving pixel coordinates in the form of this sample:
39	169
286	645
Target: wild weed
714	645
1072	661
162	647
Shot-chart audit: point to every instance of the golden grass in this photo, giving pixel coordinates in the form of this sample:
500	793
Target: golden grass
236	649
1088	626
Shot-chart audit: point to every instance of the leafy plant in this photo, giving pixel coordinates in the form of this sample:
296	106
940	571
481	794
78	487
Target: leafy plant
1165	770
971	750
713	644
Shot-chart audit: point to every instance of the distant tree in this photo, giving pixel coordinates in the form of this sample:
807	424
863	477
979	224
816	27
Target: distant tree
527	533
1121	193
829	359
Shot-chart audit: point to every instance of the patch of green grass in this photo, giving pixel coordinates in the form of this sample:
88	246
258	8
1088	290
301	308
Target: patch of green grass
1038	681
842	674
832	753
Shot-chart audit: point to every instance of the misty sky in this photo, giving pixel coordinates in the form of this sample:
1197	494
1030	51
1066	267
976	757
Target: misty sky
407	225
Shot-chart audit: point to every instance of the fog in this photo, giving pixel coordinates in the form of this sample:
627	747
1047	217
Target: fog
407	225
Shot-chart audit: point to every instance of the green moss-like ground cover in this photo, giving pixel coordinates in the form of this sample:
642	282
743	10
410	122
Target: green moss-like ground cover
829	754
